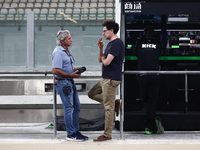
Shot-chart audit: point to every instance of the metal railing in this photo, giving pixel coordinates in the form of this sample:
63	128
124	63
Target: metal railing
122	91
54	94
54	110
27	72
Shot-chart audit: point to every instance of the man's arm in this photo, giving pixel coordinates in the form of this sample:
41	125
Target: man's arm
107	61
100	55
61	73
101	58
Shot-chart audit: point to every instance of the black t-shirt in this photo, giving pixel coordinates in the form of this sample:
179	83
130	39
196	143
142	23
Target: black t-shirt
114	70
148	50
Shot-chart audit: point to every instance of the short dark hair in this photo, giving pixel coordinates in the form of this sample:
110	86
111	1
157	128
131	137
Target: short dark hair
149	31
110	24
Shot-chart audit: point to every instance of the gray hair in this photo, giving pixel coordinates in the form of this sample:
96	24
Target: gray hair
61	35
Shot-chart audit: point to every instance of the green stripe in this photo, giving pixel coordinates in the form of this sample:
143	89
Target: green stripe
175	46
168	58
131	58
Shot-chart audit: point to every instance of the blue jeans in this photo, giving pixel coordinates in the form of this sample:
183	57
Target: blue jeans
71	104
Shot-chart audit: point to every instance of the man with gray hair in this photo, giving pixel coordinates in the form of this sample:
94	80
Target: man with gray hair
64	71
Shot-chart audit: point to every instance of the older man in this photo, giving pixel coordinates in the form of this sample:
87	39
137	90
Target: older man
64	71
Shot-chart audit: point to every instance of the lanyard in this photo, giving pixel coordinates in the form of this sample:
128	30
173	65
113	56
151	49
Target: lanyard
71	57
67	52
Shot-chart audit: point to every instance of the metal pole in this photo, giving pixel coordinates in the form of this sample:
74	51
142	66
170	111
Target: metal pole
30	40
122	110
54	109
186	94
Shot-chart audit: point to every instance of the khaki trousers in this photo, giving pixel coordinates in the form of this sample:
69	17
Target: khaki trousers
104	91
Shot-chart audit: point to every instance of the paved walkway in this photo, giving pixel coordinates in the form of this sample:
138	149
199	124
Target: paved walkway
40	136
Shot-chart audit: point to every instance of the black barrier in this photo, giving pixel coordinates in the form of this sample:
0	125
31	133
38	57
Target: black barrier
150	72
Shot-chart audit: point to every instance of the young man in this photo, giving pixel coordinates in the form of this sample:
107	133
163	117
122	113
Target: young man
148	50
64	71
105	90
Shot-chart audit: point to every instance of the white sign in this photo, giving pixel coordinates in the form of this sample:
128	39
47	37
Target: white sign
134	7
149	46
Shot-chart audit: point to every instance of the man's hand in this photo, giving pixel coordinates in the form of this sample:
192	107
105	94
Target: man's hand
75	75
100	53
100	43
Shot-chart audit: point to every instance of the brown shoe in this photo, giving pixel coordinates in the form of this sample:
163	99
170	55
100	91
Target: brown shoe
102	138
117	106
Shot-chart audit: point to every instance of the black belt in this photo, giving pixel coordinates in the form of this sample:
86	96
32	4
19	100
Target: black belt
64	79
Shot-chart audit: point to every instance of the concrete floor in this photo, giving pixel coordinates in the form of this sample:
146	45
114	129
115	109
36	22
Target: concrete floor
39	136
